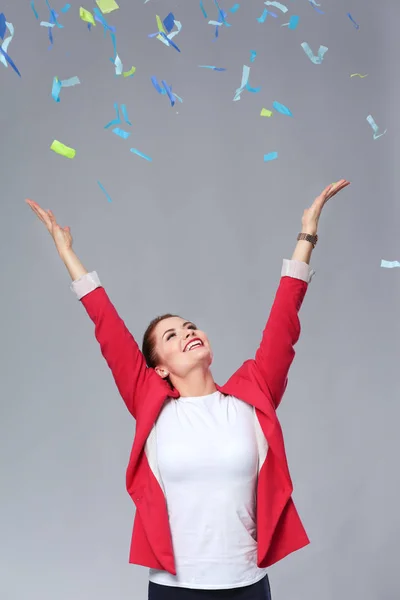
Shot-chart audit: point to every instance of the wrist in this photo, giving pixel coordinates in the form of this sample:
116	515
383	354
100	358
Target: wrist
311	230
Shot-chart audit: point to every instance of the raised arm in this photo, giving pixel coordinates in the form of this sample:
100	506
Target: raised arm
276	351
117	345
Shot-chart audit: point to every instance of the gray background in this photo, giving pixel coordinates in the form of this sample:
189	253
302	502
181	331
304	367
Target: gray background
201	231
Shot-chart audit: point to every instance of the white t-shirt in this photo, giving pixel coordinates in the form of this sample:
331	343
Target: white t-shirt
208	461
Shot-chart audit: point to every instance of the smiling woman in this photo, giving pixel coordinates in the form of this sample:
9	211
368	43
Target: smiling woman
208	473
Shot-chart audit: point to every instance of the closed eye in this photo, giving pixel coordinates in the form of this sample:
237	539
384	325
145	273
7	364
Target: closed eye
170	335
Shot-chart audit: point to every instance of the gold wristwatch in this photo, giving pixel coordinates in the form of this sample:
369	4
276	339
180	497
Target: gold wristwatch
308	238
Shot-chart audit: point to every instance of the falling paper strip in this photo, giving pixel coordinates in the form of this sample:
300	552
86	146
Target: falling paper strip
107	6
34	9
263	16
278	5
315	5
66	8
390	264
265	113
375	127
57	85
317	60
282	109
103	190
129	73
123	134
270	156
60	148
4	57
203	9
86	16
293	22
253	55
234	8
244	84
135	151
353	21
212	67
358	75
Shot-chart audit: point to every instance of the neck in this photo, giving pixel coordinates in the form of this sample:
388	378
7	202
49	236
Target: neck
196	383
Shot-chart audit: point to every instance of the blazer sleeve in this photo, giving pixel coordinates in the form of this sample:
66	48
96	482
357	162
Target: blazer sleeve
276	351
117	344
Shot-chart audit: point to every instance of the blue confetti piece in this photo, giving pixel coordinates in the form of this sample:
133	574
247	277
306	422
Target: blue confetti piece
135	151
34	9
390	264
103	190
293	21
116	121
89	26
253	55
263	16
3	26
281	109
212	67
10	61
317	60
315	7
100	19
125	114
170	42
252	90
270	156
203	9
123	134
66	8
169	22
156	85
55	92
169	93
353	21
234	8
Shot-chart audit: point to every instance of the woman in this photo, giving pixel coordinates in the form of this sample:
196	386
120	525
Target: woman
208	471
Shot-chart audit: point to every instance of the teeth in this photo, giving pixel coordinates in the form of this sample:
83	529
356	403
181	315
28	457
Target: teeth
193	344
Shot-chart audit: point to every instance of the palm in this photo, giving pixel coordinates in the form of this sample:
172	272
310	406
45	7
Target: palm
61	235
312	214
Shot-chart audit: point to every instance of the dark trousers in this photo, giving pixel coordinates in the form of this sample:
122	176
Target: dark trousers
256	591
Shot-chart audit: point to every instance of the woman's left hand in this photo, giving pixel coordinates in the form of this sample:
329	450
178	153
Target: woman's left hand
311	215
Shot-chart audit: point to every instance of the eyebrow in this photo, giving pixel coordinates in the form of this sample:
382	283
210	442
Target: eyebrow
184	325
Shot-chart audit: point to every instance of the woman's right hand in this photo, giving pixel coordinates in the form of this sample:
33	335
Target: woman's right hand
61	235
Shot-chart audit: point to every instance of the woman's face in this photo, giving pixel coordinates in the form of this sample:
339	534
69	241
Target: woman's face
181	347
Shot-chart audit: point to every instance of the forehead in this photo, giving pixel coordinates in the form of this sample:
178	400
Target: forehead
170	323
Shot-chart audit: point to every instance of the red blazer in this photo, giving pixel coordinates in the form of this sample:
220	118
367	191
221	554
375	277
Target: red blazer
260	382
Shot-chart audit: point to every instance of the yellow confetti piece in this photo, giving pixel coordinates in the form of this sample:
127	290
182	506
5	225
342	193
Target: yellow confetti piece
86	16
160	25
265	113
60	148
358	75
107	6
129	73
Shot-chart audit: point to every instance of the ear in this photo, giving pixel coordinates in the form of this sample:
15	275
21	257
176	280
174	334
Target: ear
161	372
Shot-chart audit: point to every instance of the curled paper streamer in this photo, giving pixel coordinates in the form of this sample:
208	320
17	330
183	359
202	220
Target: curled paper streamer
253	55
135	151
282	109
234	8
107	6
4	57
57	85
129	73
353	21
123	134
86	16
387	264
278	5
270	156
60	148
317	60
315	5
34	9
265	113
244	84
100	19
203	9
167	39
103	190
375	127
358	75
212	67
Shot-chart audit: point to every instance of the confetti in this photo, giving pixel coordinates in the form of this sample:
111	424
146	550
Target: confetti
234	8
265	112
317	60
117	121
263	16
66	8
390	264
107	6
212	67
244	84
123	134
277	5
164	91
125	114
34	9
169	93
57	85
293	22
353	21
60	148
100	19
282	109
315	7
103	190
118	65
203	10
253	55
141	154
270	156
375	127
160	25
4	57
86	16
129	73
169	22
359	75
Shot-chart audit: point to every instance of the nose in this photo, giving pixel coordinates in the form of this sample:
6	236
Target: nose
189	333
